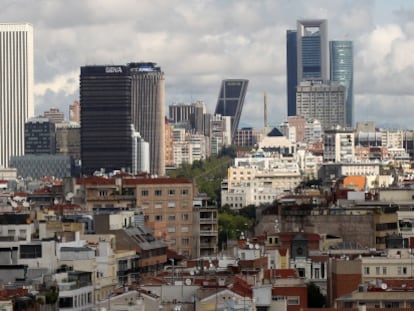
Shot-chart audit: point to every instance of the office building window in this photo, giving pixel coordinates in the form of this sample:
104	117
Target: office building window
158	193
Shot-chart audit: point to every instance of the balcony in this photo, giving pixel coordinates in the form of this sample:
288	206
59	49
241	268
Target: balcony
208	245
111	198
208	232
208	220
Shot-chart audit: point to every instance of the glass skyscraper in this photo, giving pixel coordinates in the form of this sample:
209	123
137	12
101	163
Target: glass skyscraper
231	100
312	50
291	71
307	56
342	70
105	101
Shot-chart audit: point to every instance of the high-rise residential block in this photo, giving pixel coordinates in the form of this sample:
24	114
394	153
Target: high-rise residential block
231	100
16	87
54	115
323	101
148	110
342	70
39	136
68	139
74	112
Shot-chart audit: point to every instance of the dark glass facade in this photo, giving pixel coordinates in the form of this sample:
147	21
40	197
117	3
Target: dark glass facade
342	70
231	101
291	71
39	136
105	101
311	57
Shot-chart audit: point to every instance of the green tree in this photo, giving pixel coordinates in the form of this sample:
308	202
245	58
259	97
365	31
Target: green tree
315	297
231	225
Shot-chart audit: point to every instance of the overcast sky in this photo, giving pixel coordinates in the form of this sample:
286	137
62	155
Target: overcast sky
198	43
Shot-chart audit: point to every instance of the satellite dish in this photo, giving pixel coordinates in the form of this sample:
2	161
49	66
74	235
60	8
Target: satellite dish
384	286
187	281
256	246
56	201
250	246
192	272
26	204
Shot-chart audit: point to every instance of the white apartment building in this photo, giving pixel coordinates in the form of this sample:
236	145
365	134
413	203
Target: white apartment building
397	264
220	133
339	146
192	148
313	131
258	180
392	138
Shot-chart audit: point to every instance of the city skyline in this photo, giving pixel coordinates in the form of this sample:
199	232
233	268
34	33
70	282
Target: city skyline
198	45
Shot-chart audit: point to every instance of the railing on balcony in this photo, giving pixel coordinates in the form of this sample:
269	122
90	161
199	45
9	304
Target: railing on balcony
208	220
208	245
208	232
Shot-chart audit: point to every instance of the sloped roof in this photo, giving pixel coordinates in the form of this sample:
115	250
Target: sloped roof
274	133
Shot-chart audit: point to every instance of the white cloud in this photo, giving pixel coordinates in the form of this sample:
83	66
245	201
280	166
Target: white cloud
198	43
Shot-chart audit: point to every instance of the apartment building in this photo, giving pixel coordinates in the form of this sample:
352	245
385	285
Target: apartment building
167	206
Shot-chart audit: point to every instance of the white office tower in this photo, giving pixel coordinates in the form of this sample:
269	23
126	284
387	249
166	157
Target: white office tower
140	154
16	87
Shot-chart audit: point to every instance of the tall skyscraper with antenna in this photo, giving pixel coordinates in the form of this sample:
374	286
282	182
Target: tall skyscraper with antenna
16	87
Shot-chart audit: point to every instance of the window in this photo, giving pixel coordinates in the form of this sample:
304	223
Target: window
158	193
184	192
171	192
103	193
184	229
158	217
366	270
184	205
171	204
171	229
184	216
391	304
384	270
158	205
185	241
317	273
144	206
144	193
292	300
30	251
171	217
